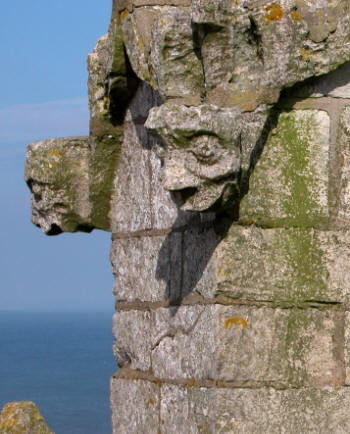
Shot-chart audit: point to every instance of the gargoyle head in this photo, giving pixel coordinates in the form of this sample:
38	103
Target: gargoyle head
202	158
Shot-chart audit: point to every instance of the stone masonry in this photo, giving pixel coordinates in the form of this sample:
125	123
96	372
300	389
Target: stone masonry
219	158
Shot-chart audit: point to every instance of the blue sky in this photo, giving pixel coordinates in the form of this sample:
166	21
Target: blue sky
44	94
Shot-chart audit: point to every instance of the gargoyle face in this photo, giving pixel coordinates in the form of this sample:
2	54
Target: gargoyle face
202	157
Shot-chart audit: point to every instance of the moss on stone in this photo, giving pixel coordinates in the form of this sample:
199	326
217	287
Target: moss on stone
106	140
306	275
285	187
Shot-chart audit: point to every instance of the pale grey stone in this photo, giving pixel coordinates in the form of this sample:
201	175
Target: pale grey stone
165	209
147	268
247	345
254	411
175	410
297	347
183	346
343	213
131	207
133	339
134	406
202	151
347	348
282	412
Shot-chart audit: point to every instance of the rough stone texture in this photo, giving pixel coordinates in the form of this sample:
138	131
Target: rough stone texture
141	275
57	174
254	411
344	194
22	418
294	265
138	402
218	156
289	184
245	345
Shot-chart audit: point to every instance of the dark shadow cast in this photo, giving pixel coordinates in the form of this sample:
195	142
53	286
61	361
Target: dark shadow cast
185	255
323	84
184	259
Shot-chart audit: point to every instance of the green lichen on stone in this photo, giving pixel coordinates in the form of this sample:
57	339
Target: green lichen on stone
306	275
288	187
106	141
118	66
297	344
299	205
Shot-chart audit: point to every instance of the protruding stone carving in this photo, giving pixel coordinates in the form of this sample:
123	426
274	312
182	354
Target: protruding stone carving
202	151
57	173
229	54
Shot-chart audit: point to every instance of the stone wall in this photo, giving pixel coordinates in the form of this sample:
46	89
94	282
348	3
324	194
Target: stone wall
219	159
239	325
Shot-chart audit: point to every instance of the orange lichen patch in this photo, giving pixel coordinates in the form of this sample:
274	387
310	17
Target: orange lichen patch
295	16
151	401
305	54
200	426
54	153
192	382
123	14
274	12
235	320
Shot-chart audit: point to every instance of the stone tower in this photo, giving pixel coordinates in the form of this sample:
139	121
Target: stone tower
219	159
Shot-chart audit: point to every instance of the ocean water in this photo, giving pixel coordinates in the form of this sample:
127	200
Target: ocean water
62	362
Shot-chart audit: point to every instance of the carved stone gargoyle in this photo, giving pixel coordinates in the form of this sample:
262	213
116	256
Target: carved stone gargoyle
218	68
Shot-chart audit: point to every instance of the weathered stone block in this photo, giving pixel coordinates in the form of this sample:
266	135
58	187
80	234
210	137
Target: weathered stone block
254	411
343	146
186	409
294	265
134	406
133	339
145	339
147	268
241	344
286	411
347	348
131	210
177	70
289	184
183	347
299	347
57	172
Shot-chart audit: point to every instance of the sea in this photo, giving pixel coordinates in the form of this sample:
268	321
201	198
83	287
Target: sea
62	362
